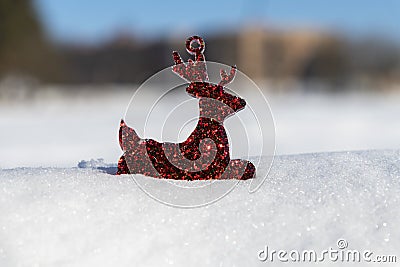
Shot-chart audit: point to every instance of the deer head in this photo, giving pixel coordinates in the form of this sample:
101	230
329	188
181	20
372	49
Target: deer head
195	72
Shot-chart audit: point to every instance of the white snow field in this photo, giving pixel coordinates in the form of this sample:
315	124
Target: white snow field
86	217
53	213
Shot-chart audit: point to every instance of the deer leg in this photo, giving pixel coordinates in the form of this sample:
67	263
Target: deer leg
239	169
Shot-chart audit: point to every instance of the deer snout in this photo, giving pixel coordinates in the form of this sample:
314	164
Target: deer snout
237	103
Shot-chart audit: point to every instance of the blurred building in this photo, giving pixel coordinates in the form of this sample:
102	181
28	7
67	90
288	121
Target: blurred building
280	55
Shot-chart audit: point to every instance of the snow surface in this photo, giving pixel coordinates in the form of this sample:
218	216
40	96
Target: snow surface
70	216
86	217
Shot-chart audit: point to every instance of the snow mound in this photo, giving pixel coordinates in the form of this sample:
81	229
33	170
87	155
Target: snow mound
86	217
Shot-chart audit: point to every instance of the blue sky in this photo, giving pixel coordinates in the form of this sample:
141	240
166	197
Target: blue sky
96	20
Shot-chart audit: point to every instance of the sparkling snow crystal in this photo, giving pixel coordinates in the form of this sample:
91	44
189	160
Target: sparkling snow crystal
86	217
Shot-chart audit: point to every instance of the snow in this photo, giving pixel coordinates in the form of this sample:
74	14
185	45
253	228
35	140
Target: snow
74	213
86	217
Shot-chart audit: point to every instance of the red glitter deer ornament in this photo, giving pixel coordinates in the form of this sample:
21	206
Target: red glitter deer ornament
205	153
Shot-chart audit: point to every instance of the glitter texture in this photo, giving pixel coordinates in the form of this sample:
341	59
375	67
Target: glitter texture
205	153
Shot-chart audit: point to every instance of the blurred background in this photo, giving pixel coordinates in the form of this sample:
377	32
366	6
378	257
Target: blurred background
330	70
